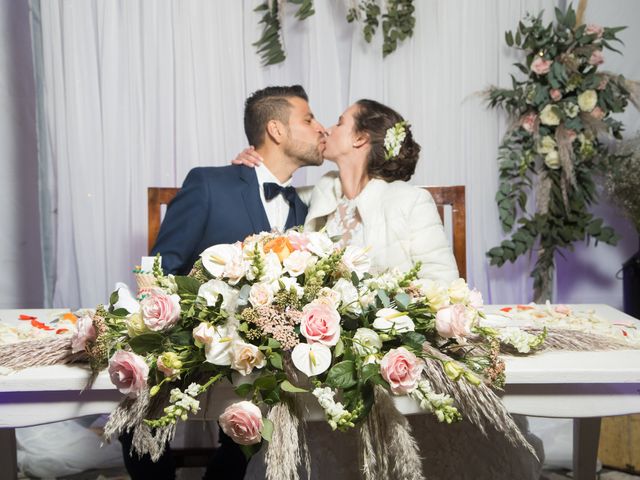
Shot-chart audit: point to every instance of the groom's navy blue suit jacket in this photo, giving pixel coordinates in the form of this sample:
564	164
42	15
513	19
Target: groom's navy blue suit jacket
215	205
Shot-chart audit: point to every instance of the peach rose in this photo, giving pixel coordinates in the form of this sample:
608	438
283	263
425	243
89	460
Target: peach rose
540	65
562	309
246	357
280	246
128	372
402	369
555	94
453	322
242	421
160	311
320	323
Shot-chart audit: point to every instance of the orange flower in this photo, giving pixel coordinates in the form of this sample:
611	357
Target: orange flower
280	246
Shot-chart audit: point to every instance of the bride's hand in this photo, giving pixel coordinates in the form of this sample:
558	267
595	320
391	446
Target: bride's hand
248	157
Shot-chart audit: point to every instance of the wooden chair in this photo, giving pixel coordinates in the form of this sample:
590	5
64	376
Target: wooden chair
443	196
455	197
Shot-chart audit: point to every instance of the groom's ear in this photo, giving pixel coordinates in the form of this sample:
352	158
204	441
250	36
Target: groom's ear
276	130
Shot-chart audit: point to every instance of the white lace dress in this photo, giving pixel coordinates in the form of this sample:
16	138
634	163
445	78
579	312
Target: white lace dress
450	452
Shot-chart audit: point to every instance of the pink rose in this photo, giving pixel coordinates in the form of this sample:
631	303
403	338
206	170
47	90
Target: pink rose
529	121
242	421
593	29
402	369
453	321
160	311
597	58
320	323
299	241
128	372
555	94
85	332
540	65
598	113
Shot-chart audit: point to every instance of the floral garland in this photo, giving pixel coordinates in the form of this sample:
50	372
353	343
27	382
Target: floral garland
293	313
398	23
554	147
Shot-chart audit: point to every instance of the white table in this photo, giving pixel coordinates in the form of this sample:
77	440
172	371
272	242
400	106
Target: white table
584	386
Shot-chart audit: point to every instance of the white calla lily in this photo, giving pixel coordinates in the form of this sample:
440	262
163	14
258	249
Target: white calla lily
311	359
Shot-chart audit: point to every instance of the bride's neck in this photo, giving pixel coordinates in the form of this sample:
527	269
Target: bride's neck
353	181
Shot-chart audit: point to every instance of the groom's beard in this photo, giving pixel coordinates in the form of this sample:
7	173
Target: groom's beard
307	154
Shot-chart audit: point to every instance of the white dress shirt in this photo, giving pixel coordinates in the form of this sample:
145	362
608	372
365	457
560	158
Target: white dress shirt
277	209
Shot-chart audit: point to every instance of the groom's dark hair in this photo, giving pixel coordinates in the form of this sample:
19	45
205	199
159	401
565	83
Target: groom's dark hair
268	104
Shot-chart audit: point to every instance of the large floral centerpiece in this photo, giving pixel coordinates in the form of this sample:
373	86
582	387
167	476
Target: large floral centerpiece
292	314
561	112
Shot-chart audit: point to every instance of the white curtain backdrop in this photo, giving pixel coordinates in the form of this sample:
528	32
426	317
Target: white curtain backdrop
134	94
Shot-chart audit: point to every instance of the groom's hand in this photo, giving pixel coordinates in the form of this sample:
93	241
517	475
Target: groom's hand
248	157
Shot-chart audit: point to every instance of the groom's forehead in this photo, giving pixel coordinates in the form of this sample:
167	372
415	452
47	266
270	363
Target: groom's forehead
300	107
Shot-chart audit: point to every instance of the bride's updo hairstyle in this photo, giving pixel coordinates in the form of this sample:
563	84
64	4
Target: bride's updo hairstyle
375	119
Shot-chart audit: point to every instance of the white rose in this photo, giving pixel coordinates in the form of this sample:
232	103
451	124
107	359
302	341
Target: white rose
213	289
355	259
552	160
437	294
288	283
329	296
547	144
366	342
246	357
260	295
390	318
571	110
296	263
475	298
319	244
550	115
215	259
587	100
459	291
348	296
219	348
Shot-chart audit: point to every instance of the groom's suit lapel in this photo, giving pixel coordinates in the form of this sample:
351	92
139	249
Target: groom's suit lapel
252	202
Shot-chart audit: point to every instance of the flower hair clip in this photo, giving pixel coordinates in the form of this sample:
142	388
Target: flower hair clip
393	139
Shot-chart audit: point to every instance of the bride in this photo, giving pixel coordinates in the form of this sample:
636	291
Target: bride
369	202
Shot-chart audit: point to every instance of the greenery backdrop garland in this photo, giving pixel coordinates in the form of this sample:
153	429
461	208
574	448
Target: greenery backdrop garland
554	147
398	23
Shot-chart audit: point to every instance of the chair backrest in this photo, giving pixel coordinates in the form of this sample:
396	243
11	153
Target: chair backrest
156	197
443	196
455	197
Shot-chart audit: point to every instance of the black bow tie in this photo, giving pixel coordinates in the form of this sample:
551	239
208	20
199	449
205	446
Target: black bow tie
272	190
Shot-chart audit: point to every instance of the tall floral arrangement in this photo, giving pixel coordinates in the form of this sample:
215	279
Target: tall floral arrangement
561	111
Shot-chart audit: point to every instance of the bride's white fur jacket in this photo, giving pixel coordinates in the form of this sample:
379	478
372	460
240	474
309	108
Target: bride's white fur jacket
400	223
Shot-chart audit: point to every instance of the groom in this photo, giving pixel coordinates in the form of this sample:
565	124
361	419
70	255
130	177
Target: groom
225	205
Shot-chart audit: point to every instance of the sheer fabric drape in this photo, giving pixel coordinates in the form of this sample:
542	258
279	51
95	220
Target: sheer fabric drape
134	94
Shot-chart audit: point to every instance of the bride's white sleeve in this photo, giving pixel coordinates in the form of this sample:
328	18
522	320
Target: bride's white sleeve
429	243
